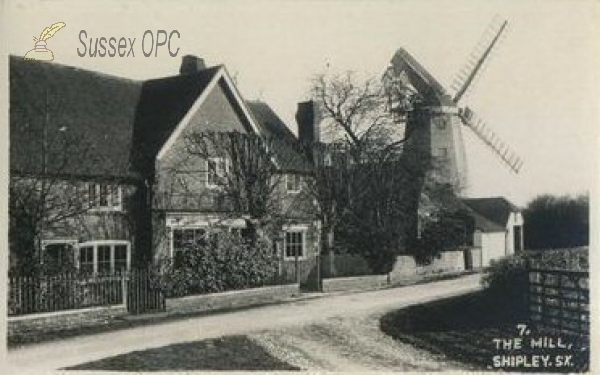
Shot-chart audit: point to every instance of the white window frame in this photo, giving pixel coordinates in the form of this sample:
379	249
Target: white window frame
185	227
95	244
115	191
204	226
302	229
296	180
223	174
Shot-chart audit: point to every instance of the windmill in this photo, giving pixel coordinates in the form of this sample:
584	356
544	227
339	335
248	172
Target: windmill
433	117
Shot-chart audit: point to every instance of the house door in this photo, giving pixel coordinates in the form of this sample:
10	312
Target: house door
468	254
518	238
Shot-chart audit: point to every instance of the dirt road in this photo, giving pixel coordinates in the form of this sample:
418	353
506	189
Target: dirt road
337	332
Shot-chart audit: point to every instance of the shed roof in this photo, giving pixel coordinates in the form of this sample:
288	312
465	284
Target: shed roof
494	209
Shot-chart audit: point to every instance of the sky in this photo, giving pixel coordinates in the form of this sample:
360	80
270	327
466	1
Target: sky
539	91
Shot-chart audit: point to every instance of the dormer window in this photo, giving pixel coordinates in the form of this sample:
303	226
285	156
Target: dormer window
104	196
216	170
293	183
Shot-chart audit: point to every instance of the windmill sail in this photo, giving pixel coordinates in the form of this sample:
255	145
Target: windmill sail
467	74
491	139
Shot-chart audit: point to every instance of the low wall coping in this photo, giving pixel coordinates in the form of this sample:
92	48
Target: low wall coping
64	313
261	289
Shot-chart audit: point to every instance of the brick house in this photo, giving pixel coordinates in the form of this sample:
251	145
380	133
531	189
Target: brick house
114	150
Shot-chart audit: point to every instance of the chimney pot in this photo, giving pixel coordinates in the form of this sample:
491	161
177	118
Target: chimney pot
191	64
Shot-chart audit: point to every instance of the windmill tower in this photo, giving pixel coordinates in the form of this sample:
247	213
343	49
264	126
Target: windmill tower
433	117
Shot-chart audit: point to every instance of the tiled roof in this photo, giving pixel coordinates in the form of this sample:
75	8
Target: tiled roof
95	125
288	154
496	210
83	119
115	126
163	103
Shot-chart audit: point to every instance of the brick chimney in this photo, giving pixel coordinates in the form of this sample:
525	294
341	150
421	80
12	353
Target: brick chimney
308	119
191	64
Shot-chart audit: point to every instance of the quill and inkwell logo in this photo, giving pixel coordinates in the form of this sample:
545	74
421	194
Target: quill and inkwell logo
40	52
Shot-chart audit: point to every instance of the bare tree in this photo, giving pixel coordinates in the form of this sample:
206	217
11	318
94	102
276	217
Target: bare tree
366	188
248	171
356	114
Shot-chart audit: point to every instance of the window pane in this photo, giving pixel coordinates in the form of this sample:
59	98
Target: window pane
183	239
294	245
104	195
103	259
92	195
120	252
116	196
86	259
212	171
120	257
177	238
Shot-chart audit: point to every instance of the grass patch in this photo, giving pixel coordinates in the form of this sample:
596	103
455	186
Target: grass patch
225	353
463	328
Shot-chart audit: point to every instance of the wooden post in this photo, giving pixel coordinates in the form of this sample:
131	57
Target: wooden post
124	288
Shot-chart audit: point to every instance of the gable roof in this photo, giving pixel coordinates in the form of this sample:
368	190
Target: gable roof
495	209
220	75
287	153
163	104
116	126
83	120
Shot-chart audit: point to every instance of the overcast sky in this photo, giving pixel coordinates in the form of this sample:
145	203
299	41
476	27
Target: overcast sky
539	91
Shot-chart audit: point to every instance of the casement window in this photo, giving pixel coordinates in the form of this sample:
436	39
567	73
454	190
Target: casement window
121	258
105	196
58	252
183	239
293	183
294	244
216	169
103	257
86	259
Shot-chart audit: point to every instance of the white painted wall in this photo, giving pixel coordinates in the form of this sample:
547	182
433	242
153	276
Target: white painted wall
515	218
493	245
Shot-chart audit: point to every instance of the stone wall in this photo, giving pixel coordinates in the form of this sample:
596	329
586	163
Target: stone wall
229	300
339	284
26	328
447	262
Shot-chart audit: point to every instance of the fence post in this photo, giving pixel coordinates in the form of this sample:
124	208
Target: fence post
124	288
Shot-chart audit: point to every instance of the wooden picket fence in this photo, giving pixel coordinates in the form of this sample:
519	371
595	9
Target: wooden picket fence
560	300
29	295
139	290
145	292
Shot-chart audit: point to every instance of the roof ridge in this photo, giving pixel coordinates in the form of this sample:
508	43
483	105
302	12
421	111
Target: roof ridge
84	70
210	70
